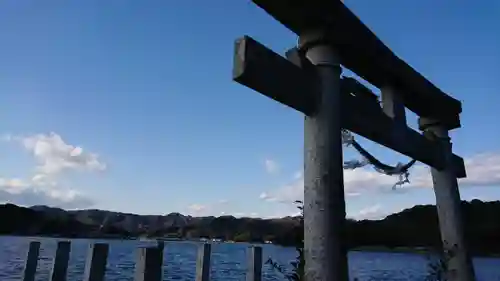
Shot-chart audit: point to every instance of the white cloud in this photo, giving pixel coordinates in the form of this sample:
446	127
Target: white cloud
13	186
271	166
482	170
197	209
219	208
374	212
355	182
6	137
29	192
267	197
287	193
214	209
352	194
287	211
54	155
43	180
245	215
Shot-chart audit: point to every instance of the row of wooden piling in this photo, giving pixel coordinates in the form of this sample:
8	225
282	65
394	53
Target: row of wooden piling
148	267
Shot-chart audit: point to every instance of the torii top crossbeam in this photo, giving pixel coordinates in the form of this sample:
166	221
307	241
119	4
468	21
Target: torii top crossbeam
362	52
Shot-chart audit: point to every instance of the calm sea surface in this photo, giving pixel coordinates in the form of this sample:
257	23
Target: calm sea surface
228	261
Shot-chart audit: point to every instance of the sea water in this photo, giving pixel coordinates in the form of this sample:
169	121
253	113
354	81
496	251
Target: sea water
228	261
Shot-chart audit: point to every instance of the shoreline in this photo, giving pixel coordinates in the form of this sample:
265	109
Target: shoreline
372	249
415	250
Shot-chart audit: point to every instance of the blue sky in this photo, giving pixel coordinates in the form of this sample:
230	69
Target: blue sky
129	105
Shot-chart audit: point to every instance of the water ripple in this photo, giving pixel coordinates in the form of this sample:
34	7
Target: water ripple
228	262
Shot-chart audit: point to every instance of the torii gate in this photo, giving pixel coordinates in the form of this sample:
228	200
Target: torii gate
310	81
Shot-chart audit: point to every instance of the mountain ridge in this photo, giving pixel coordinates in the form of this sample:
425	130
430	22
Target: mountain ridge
413	227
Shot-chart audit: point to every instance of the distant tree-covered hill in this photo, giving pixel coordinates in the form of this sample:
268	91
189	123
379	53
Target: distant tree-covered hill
414	227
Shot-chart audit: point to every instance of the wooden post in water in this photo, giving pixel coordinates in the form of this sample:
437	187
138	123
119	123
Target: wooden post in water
254	271
95	266
61	259
149	264
31	261
161	246
449	208
203	262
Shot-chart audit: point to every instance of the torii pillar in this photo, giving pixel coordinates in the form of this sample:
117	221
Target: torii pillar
324	201
449	207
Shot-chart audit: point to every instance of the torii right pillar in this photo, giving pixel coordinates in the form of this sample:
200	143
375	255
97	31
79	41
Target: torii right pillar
459	263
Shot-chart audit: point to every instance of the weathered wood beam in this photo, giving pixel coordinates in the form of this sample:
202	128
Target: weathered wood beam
203	262
365	54
149	264
375	125
392	105
266	72
95	266
367	119
254	268
251	58
459	166
31	261
60	266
